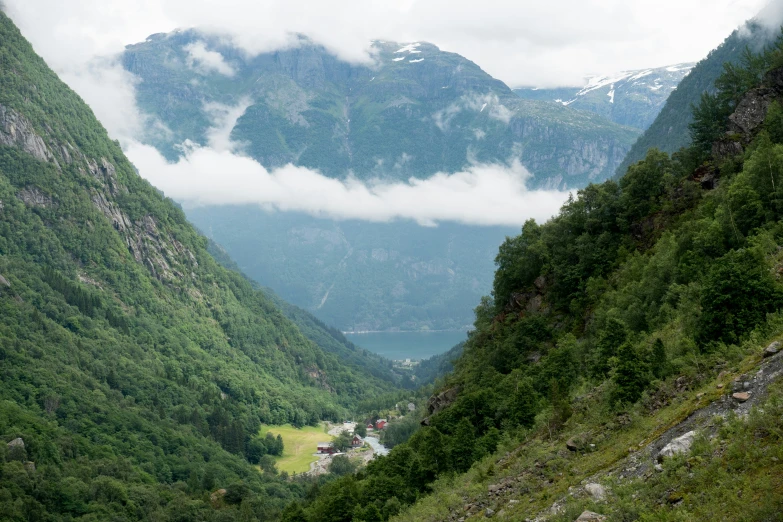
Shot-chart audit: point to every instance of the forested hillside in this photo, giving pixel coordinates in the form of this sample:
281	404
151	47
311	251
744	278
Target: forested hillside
644	306
136	371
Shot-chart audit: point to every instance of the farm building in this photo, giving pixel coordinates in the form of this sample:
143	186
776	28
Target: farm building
326	447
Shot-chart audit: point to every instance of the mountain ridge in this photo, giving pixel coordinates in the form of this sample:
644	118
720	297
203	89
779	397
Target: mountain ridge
633	98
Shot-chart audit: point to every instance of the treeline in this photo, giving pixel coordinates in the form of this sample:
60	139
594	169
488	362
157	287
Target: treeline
659	275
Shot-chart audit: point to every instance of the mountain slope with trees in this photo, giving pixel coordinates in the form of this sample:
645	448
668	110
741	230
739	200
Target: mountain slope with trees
136	371
646	300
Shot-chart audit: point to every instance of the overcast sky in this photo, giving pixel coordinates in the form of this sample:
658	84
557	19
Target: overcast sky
522	42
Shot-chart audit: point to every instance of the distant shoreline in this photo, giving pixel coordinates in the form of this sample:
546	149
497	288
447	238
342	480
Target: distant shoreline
362	332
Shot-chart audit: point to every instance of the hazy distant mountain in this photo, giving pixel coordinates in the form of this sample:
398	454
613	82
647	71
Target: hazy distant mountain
632	98
418	111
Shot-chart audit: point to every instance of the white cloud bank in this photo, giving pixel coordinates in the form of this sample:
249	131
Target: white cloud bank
481	195
522	42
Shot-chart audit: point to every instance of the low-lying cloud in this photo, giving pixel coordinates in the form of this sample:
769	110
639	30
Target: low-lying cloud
205	61
479	195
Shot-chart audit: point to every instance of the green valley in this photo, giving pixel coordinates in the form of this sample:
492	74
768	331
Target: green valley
136	371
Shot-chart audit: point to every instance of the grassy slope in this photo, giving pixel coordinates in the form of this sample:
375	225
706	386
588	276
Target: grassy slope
545	471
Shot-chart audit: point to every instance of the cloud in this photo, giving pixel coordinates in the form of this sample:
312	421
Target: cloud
476	103
224	119
522	42
770	18
480	195
205	61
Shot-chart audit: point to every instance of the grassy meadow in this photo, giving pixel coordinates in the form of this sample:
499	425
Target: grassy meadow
299	446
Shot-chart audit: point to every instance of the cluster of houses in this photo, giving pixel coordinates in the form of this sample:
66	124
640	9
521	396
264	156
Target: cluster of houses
327	448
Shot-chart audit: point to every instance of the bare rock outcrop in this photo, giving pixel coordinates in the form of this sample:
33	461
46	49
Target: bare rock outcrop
17	131
439	402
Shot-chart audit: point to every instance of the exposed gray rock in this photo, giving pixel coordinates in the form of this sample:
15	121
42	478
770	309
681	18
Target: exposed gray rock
17	131
726	148
597	491
16	443
438	402
772	349
741	396
589	516
33	197
679	445
4	281
576	443
29	466
751	112
489	513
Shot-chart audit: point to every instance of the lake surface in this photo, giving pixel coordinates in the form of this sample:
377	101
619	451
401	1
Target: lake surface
407	345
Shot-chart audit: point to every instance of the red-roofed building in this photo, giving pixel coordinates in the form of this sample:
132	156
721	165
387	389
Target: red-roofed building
326	447
381	424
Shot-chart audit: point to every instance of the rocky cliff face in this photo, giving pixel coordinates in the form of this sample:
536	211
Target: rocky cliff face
165	257
748	118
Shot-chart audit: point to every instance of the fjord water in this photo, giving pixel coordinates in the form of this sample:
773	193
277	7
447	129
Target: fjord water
408	345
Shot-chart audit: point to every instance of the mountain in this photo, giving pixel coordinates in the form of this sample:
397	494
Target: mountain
669	132
630	98
629	364
417	111
136	370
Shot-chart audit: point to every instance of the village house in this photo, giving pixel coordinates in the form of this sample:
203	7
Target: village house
357	442
326	448
381	424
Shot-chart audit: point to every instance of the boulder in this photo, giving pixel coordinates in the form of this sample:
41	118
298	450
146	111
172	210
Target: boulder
489	512
4	281
589	516
751	112
681	444
16	443
772	349
741	396
29	466
597	491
